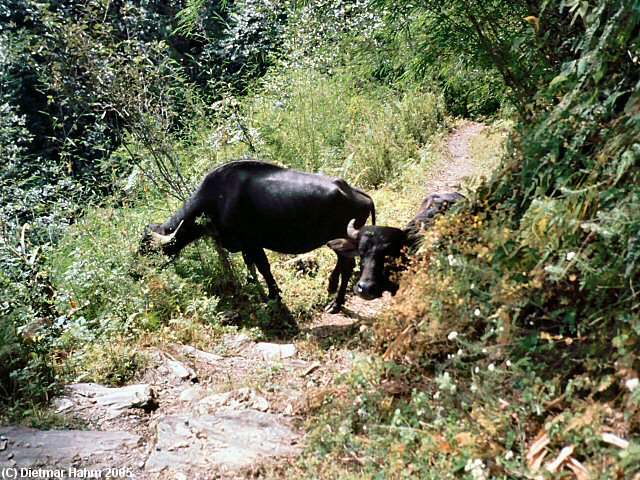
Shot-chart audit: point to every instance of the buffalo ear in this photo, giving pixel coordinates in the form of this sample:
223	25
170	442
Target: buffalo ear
413	237
342	246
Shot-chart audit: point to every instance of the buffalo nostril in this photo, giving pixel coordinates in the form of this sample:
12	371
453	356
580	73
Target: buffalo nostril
367	290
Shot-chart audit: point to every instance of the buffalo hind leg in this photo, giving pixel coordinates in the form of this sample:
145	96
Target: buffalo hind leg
258	258
251	267
345	268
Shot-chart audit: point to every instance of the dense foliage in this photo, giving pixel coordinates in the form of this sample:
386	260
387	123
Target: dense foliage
78	80
520	321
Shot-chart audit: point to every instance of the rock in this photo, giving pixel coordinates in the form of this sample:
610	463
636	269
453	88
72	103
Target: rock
297	364
180	370
63	403
236	343
115	400
229	316
62	449
211	358
164	367
272	351
243	398
192	394
213	403
230	440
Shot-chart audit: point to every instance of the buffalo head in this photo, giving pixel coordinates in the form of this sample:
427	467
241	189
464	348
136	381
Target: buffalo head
159	236
381	249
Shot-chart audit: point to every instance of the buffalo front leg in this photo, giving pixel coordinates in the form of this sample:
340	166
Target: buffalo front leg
345	268
334	278
257	257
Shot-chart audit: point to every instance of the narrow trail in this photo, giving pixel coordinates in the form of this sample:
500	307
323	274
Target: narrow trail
196	414
460	164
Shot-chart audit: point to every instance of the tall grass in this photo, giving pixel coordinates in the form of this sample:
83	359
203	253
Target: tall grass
338	126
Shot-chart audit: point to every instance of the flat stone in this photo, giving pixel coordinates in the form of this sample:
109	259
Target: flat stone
232	439
297	364
272	351
165	368
208	357
192	394
180	370
236	343
61	449
115	400
242	398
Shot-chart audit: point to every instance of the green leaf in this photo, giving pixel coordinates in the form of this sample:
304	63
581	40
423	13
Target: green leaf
598	75
558	79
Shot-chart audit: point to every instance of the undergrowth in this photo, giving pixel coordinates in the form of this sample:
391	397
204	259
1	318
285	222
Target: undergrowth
112	304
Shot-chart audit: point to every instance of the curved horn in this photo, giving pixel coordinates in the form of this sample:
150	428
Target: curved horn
160	240
352	231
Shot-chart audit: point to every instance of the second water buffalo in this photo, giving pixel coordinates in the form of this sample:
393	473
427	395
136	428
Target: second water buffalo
381	247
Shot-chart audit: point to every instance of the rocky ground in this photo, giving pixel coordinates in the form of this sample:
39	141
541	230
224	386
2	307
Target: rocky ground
199	415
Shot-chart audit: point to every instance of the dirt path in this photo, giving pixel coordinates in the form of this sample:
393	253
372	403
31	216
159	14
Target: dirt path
460	163
196	414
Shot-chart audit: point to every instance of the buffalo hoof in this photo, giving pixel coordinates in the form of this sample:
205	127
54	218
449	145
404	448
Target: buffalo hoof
333	307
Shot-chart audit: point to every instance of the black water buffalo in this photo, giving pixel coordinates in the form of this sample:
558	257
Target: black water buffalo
382	248
250	205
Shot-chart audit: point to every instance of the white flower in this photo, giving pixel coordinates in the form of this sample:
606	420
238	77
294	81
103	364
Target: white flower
452	335
484	350
508	455
476	467
508	363
477	312
473	285
491	367
363	328
459	351
571	256
452	260
477	369
632	384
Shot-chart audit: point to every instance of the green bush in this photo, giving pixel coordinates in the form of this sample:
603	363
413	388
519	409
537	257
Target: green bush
523	307
28	327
